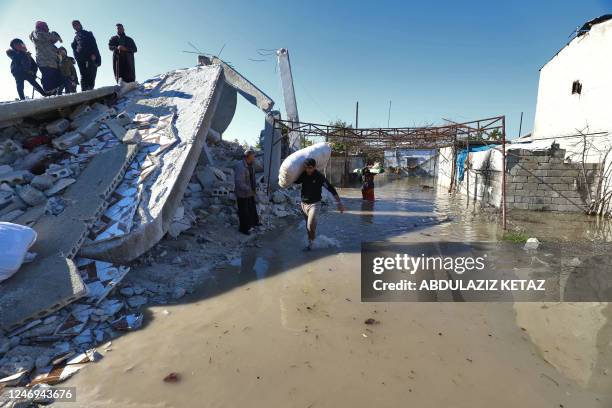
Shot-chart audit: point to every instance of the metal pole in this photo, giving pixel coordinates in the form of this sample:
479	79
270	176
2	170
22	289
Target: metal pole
389	114
504	172
466	165
357	115
271	150
520	125
454	168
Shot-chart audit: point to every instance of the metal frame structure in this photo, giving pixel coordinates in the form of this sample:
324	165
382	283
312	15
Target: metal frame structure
488	131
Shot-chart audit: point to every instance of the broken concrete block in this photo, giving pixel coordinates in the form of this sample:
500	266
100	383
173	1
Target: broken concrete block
131	136
194	187
81	109
137	301
31	196
16	203
58	126
36	159
6	197
96	114
90	130
5	168
116	128
59	185
208	176
43	181
58	171
68	140
127	291
16	177
55	206
11	215
124	118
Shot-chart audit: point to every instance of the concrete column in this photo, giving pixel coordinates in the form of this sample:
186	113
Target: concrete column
284	68
272	151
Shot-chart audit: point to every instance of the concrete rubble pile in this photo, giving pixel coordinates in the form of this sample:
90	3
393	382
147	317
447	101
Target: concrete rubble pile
40	161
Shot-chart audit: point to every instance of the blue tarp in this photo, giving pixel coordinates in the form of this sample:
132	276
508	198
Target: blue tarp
462	156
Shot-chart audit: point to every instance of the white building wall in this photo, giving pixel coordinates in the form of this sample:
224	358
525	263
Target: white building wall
588	59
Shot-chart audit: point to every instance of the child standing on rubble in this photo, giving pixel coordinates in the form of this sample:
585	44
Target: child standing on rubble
68	71
23	67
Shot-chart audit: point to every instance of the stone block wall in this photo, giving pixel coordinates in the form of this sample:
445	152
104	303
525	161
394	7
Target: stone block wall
544	181
535	180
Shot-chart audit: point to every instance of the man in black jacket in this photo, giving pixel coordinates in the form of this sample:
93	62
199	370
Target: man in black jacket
23	67
312	182
87	55
123	48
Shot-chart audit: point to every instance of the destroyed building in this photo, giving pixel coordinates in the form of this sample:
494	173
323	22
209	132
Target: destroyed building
102	176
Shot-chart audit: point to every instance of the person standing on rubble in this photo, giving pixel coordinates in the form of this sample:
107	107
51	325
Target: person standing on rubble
87	55
123	48
244	180
23	67
47	56
312	182
69	75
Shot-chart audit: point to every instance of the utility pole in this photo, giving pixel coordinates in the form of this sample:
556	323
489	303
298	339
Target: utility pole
357	115
389	114
520	125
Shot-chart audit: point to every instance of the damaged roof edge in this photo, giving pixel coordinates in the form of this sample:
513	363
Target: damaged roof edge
128	247
237	81
12	111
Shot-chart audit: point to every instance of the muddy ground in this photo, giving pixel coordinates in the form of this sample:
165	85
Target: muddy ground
277	326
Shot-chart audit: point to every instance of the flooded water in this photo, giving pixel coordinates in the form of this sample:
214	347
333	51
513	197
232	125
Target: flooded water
281	327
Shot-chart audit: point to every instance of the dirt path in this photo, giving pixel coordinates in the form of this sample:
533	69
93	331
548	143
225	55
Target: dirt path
285	328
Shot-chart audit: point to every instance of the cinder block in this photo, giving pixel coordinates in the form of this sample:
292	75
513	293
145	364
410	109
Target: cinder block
539	207
31	196
58	126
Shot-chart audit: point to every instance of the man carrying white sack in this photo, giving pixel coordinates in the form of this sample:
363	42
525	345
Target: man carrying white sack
312	182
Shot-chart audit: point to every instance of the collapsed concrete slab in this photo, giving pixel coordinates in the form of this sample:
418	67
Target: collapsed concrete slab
14	111
181	106
116	190
51	281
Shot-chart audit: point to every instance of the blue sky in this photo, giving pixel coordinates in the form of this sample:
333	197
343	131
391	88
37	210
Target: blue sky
435	59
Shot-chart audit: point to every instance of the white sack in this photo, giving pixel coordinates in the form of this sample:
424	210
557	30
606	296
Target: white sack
15	240
293	165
